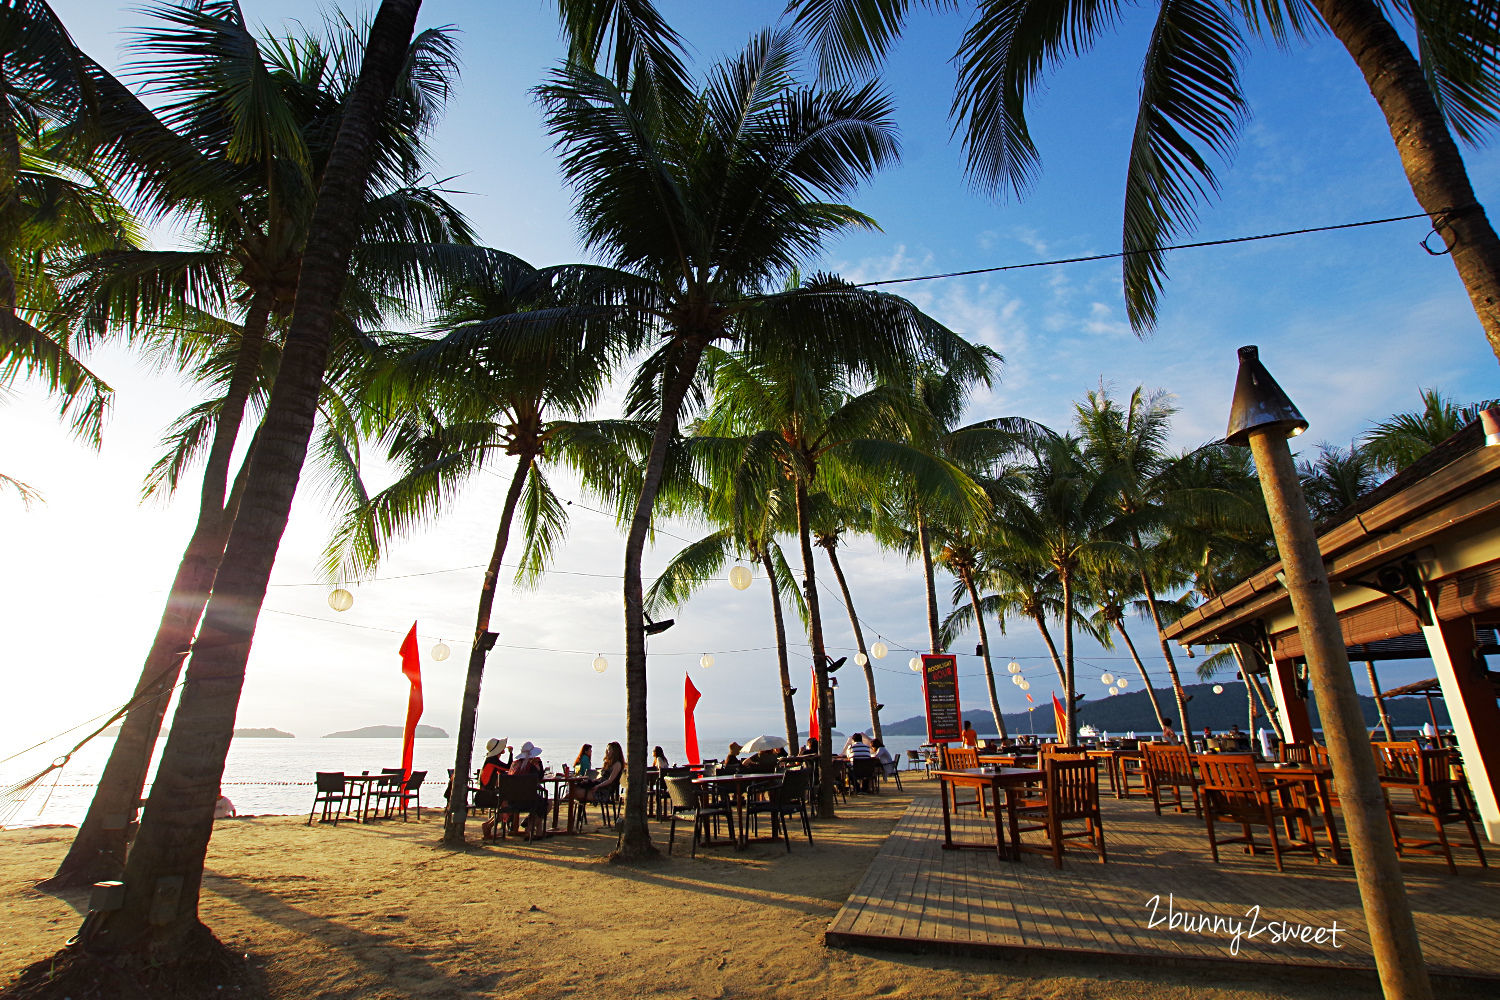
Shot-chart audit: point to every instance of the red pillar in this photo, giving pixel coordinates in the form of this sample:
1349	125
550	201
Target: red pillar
1296	726
1475	717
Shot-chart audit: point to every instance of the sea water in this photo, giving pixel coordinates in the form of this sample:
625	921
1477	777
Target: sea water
275	776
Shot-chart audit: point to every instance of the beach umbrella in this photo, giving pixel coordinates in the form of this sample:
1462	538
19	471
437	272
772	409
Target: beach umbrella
764	743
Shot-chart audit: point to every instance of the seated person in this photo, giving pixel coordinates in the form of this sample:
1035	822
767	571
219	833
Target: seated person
584	762
659	760
494	766
810	748
527	760
731	763
223	808
858	748
887	762
605	786
763	762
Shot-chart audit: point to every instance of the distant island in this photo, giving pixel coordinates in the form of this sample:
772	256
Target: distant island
387	733
239	734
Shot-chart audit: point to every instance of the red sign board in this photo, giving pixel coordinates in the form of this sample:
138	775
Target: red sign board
940	693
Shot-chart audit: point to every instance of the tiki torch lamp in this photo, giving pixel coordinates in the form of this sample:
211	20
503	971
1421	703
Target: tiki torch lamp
1262	418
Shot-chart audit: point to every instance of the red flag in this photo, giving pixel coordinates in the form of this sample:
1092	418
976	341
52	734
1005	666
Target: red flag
690	696
1062	718
411	666
812	713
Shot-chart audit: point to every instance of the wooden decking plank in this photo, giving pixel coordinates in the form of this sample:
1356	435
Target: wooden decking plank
917	892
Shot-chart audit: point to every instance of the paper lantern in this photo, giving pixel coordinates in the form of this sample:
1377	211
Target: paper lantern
739	577
1218	689
860	659
1016	679
1120	683
600	664
340	600
878	650
915	663
440	652
1114	690
1025	684
1108	678
706	660
1013	667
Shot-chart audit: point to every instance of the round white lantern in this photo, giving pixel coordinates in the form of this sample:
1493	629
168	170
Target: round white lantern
915	663
1108	678
1013	667
1218	689
1120	683
440	652
860	659
878	650
706	660
1025	684
600	664
1114	690
739	577
1016	679
340	600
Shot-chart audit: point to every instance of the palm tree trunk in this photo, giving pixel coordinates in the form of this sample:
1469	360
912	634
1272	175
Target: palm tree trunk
164	872
1242	658
1385	722
1429	155
859	643
924	542
1057	663
1166	650
820	659
98	849
635	836
788	705
468	715
1150	691
1070	708
984	645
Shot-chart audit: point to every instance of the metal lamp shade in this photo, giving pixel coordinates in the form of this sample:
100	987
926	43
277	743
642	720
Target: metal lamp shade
1259	403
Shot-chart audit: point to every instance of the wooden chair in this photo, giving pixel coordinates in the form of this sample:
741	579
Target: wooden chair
519	800
1436	795
398	796
1234	792
707	810
607	799
1071	792
960	759
330	792
1170	766
1296	753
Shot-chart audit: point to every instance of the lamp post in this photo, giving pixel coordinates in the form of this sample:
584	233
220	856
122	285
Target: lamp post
1262	418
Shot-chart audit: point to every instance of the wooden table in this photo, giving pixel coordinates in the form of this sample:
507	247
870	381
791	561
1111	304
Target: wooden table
1320	776
739	786
368	783
993	780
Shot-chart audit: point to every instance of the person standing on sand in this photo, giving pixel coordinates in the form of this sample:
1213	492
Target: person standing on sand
1168	734
970	737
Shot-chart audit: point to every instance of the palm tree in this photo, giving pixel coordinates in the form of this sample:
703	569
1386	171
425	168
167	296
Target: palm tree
962	558
1337	478
829	522
1192	106
709	201
1399	440
1112	590
749	527
793	404
516	357
1130	442
1067	516
1022	585
173	838
250	215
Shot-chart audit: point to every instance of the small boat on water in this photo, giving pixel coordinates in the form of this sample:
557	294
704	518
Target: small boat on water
1088	732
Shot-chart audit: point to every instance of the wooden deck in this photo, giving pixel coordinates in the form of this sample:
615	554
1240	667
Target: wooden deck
917	896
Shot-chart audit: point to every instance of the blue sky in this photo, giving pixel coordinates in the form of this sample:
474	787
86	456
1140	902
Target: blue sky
1352	324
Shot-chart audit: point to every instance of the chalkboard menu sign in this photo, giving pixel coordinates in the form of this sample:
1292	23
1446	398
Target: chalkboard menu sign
940	691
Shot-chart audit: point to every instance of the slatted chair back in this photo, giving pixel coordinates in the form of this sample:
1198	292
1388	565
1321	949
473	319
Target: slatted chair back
1074	785
960	758
1169	763
1231	784
1319	755
1296	753
1433	778
1060	751
329	781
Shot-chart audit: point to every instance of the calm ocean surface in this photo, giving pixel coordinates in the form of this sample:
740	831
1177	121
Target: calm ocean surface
274	776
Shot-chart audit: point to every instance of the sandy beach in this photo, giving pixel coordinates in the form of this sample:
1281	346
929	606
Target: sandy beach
383	911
